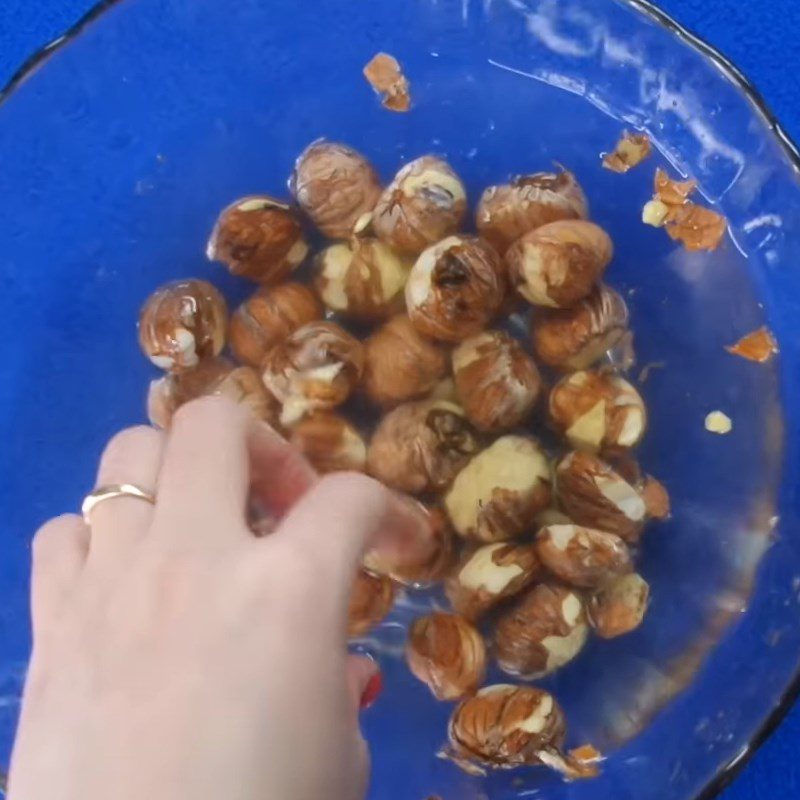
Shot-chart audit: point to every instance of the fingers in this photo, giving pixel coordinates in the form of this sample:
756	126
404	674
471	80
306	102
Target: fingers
132	456
60	548
346	513
215	453
364	682
203	485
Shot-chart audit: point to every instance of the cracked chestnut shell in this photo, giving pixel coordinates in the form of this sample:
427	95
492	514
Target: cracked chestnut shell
558	264
363	279
505	726
335	185
314	369
544	630
498	494
268	317
581	556
421	446
596	495
598	410
371	600
425	203
509	211
496	380
181	323
401	364
330	443
259	238
619	606
448	654
489	574
455	288
215	376
575	338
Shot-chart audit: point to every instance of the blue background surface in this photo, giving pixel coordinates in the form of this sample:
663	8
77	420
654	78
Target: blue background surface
762	40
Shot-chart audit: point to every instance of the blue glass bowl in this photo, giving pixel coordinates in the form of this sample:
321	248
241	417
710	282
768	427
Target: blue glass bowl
120	147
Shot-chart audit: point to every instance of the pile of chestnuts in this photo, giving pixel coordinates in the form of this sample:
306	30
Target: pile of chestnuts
396	355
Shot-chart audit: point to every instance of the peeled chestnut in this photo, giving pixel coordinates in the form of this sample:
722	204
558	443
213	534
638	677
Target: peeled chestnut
434	568
335	186
215	376
181	323
498	494
619	606
363	280
268	317
259	238
597	410
401	364
455	288
582	556
314	369
421	446
425	203
505	726
489	574
330	443
509	211
575	338
596	495
371	599
543	631
448	654
496	380
558	264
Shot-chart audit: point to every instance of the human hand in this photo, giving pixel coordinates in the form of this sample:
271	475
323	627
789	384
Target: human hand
176	655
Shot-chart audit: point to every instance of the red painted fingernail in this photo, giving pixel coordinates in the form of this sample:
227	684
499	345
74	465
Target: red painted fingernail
372	690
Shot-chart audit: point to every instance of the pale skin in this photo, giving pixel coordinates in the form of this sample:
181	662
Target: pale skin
176	655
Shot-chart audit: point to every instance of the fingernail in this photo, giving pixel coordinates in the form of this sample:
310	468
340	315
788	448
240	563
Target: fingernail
372	691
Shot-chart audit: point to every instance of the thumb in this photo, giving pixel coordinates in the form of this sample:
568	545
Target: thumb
364	682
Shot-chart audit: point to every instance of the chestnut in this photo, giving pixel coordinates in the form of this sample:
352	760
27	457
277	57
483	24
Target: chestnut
490	574
371	600
496	380
330	443
401	364
315	368
575	338
421	446
619	606
543	631
581	556
448	654
268	317
425	203
558	264
455	289
596	410
363	280
505	726
259	238
335	186
596	495
215	376
498	494
181	323
509	211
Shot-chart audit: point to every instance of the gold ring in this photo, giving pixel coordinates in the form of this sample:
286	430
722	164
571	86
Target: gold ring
110	492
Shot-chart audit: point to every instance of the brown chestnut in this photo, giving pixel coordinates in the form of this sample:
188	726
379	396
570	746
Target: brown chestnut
335	186
181	323
330	443
259	238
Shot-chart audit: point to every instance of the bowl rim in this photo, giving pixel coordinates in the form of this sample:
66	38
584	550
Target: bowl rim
727	773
